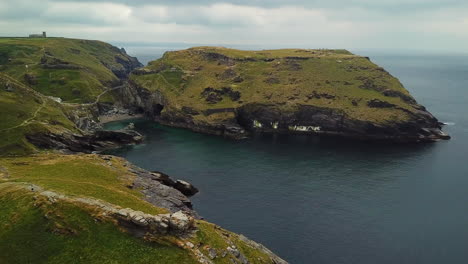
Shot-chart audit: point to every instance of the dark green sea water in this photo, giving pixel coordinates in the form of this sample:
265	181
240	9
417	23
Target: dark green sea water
324	200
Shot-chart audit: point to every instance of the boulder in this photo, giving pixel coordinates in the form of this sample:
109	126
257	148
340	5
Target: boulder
181	222
376	103
185	188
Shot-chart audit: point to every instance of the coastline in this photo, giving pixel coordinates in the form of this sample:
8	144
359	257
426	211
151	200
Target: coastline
103	119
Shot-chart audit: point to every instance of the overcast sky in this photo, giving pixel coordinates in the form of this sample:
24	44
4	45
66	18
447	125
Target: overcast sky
387	24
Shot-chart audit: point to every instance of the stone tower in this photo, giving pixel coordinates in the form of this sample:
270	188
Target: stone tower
44	34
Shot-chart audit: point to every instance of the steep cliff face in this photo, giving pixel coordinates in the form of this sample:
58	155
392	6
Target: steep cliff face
234	93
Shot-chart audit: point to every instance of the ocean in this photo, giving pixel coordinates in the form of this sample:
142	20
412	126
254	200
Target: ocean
328	200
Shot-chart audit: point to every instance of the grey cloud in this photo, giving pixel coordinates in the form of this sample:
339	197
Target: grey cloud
388	5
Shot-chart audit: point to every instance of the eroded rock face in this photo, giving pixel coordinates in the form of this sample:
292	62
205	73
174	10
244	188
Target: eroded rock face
86	142
185	187
138	223
158	189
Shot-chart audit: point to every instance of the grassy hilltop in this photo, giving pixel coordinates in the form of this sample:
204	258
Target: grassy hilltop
24	111
79	72
286	90
72	69
328	78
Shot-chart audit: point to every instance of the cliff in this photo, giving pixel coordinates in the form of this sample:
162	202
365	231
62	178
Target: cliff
235	93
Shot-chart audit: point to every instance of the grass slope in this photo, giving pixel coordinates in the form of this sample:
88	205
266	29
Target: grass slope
32	229
24	111
334	79
86	74
36	232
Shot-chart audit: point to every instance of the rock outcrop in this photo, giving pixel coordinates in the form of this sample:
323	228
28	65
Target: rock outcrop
159	189
85	142
136	222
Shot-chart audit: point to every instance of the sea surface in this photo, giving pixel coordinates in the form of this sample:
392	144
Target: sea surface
325	200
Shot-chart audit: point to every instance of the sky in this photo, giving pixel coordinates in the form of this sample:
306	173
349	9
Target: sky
439	25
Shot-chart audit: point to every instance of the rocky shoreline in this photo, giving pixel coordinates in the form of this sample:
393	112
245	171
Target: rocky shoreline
260	118
103	119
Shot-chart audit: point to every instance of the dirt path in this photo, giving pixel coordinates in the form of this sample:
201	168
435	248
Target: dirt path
34	115
4	173
98	98
29	120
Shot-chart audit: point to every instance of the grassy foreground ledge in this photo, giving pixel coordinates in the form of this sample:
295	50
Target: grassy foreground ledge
67	228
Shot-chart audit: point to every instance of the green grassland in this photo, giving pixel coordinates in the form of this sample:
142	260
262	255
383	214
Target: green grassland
87	72
66	233
35	230
83	71
24	112
287	78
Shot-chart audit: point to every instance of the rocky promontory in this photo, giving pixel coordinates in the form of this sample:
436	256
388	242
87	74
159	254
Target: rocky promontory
236	93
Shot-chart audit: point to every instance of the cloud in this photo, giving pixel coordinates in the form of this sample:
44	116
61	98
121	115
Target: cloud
88	13
300	23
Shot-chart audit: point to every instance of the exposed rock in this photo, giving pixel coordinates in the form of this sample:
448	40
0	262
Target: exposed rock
239	256
376	103
51	62
216	95
30	79
181	222
162	178
143	71
127	64
185	188
404	97
190	110
227	74
220	58
238	79
212	253
136	222
272	80
157	189
9	87
87	142
130	126
317	95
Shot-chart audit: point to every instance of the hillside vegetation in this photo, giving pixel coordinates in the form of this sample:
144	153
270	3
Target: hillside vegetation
35	71
71	69
325	78
23	112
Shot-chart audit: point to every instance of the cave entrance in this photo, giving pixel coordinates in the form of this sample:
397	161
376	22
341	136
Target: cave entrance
157	109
